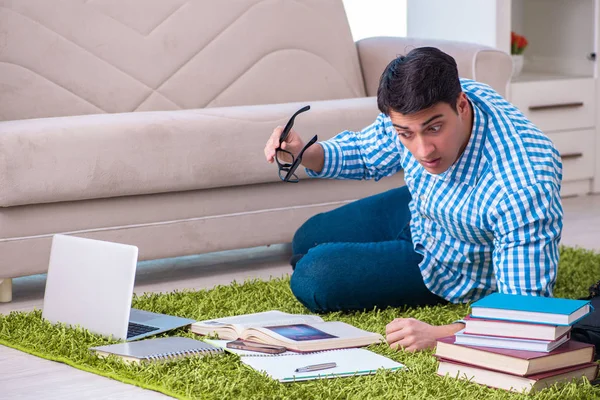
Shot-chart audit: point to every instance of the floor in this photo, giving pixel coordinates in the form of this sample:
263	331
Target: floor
23	376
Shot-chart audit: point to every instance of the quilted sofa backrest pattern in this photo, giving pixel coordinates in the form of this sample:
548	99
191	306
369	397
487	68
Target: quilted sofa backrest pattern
75	57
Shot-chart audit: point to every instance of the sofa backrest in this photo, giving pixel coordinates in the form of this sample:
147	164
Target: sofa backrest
75	57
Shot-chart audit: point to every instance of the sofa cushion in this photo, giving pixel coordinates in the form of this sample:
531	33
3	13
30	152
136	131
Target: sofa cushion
474	61
110	56
106	155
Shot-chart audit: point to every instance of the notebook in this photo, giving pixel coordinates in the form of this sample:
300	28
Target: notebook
543	310
349	362
282	367
159	349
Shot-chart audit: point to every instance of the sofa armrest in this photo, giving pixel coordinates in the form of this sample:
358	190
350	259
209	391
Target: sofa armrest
478	62
49	160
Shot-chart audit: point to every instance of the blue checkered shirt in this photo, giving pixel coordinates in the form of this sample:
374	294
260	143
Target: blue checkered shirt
492	221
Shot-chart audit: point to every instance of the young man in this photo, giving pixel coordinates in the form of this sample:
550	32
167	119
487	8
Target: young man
481	210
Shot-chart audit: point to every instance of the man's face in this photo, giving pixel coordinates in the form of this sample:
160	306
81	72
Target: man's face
437	136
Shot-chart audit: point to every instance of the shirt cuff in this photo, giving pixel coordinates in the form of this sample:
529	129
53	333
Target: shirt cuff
332	161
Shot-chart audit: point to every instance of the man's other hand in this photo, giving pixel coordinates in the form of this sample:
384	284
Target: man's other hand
411	334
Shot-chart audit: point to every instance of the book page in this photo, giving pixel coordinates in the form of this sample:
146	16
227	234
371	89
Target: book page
299	332
267	318
313	337
315	332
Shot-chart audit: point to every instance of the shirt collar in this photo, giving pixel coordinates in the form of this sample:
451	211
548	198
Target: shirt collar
466	168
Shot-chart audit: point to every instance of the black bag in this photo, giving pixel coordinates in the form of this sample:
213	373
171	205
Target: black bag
587	329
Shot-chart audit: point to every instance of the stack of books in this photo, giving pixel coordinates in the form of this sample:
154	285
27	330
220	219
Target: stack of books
518	343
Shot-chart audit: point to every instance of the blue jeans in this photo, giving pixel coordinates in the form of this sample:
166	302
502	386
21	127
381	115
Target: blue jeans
359	256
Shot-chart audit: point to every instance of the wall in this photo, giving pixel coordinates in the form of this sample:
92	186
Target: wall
369	18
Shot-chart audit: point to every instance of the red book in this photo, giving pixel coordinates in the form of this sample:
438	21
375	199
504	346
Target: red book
516	383
514	329
516	362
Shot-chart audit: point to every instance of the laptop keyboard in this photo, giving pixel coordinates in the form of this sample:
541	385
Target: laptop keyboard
139	329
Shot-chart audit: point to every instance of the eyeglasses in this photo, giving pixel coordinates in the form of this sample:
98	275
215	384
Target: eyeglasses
286	169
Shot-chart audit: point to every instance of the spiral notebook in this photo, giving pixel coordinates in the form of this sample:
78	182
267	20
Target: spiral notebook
282	366
158	349
348	362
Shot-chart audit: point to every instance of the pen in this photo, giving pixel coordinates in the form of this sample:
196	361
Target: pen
316	367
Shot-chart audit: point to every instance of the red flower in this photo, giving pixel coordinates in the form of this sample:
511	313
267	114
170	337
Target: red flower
518	43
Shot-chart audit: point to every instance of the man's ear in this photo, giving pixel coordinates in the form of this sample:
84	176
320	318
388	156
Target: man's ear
462	103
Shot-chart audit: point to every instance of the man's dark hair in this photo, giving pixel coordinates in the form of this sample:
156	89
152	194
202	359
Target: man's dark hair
417	81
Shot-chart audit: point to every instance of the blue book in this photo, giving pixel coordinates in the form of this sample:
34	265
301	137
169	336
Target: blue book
533	309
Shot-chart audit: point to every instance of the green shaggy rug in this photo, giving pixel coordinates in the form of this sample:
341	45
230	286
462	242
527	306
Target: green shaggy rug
224	377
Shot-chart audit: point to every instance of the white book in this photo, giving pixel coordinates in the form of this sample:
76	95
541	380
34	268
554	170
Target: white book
508	342
522	330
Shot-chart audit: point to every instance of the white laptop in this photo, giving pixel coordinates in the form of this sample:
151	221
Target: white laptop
90	284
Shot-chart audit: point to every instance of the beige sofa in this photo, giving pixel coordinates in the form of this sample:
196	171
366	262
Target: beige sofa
143	122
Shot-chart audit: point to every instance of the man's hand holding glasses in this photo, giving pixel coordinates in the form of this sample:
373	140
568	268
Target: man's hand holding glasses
286	148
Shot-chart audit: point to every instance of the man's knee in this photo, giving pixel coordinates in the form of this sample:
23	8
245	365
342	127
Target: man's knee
311	283
305	237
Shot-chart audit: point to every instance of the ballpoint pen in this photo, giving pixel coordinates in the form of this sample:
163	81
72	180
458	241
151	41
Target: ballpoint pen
316	367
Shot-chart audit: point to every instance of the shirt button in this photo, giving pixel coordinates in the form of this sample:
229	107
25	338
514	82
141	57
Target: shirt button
423	197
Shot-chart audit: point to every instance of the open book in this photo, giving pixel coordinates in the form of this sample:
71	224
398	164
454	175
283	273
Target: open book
304	333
